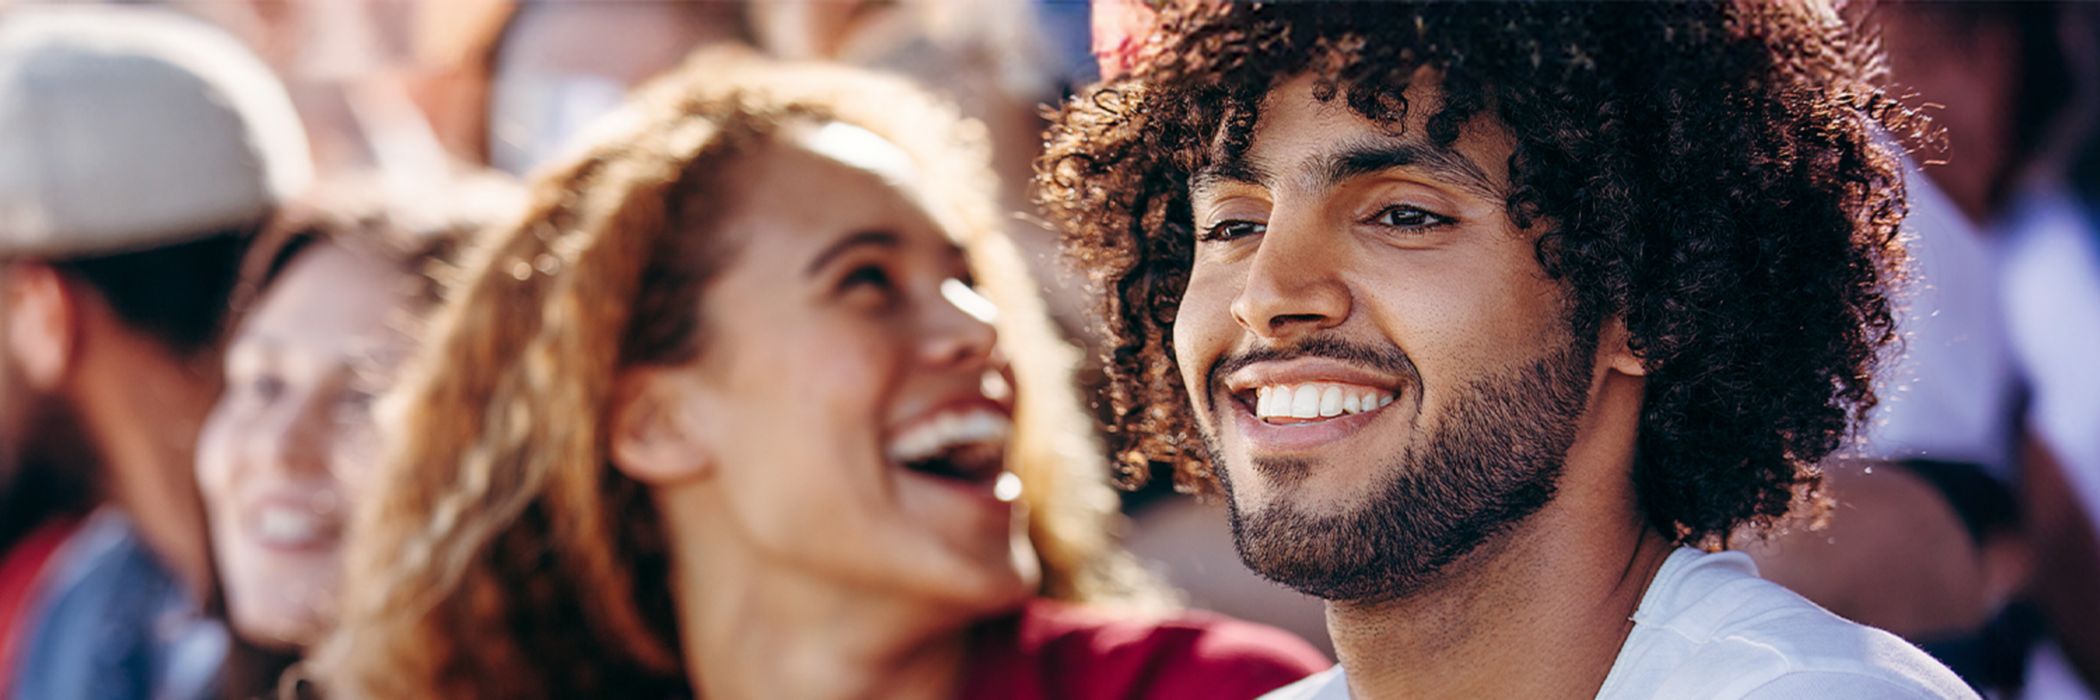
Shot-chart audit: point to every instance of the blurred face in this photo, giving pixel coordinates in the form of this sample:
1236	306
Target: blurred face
280	457
1384	374
853	409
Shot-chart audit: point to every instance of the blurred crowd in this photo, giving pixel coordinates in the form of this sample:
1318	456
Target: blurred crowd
265	263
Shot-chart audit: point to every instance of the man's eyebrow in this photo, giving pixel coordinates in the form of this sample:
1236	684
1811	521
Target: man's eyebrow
883	239
1359	160
1443	163
1233	168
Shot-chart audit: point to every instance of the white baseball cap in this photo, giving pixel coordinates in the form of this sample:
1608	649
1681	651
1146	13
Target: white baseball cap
124	128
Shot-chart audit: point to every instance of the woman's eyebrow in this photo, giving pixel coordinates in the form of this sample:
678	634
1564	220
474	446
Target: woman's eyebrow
831	252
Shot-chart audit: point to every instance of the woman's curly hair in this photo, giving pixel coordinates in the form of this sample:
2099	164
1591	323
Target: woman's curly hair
501	555
1721	177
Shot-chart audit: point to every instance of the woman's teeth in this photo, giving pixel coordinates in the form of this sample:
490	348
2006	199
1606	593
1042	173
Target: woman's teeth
947	431
1317	400
279	525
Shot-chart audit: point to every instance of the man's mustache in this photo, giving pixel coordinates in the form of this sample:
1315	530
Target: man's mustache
1384	358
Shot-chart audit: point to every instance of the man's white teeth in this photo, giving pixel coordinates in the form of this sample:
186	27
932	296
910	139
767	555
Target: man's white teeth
946	431
1317	400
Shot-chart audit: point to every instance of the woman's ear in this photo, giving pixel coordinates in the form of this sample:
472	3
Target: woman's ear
1616	345
655	438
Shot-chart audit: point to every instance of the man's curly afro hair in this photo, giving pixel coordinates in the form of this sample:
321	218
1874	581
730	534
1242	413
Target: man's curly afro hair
1721	177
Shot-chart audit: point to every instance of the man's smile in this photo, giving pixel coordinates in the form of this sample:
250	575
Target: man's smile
1286	404
1305	403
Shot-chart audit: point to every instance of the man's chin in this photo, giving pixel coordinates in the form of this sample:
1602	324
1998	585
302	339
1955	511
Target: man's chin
1363	549
1318	556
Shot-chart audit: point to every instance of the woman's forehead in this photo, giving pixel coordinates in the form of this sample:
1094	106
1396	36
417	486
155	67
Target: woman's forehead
832	175
856	148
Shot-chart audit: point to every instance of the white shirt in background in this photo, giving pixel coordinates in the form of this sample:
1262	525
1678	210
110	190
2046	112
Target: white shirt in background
1950	390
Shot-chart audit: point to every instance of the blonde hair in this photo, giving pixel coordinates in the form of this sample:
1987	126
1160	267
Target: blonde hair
502	555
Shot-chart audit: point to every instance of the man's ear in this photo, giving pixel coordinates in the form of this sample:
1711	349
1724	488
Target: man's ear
656	438
1614	343
42	323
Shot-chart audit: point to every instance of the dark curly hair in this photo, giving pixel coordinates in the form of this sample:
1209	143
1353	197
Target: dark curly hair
1724	178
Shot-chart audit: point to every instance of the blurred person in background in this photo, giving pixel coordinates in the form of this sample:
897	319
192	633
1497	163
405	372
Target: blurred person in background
509	84
1488	319
374	87
552	73
724	415
138	153
1966	507
330	305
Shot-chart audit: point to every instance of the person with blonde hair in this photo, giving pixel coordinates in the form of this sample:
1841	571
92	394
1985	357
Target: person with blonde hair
723	412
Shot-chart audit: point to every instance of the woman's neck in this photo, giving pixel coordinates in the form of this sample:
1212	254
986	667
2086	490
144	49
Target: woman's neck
765	632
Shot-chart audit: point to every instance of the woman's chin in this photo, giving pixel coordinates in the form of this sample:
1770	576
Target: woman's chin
278	631
990	584
992	594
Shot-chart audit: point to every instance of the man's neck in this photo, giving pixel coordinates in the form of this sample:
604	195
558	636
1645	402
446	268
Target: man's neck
1541	613
142	410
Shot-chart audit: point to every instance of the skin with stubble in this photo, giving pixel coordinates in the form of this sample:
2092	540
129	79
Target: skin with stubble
1487	448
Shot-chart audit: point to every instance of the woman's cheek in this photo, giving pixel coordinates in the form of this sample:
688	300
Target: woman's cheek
214	458
355	457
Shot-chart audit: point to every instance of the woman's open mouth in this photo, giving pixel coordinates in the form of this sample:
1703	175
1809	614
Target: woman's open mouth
966	446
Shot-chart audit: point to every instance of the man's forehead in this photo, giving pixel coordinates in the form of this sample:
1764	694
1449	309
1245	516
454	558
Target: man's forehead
1301	140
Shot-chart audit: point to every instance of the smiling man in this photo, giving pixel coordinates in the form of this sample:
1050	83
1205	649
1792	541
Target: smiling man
1493	321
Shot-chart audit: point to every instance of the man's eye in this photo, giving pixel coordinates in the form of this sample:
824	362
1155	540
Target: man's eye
1231	229
1409	217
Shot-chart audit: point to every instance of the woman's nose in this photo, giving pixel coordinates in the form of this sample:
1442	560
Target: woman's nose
293	438
958	328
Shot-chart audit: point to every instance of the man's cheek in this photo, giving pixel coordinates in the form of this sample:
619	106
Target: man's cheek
1195	351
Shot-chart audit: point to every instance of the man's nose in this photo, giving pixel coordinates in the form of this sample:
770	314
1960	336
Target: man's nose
1294	286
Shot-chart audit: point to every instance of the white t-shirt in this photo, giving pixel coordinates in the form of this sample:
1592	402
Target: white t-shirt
1708	627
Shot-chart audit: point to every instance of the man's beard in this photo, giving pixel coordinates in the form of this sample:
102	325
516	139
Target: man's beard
1495	459
47	464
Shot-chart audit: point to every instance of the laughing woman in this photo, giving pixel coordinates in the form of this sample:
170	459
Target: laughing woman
724	413
328	299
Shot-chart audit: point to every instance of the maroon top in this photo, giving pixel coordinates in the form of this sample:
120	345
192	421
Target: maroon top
1055	651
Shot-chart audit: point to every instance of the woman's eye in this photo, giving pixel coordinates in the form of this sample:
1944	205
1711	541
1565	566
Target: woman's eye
869	286
266	387
1232	229
1409	217
354	404
868	276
